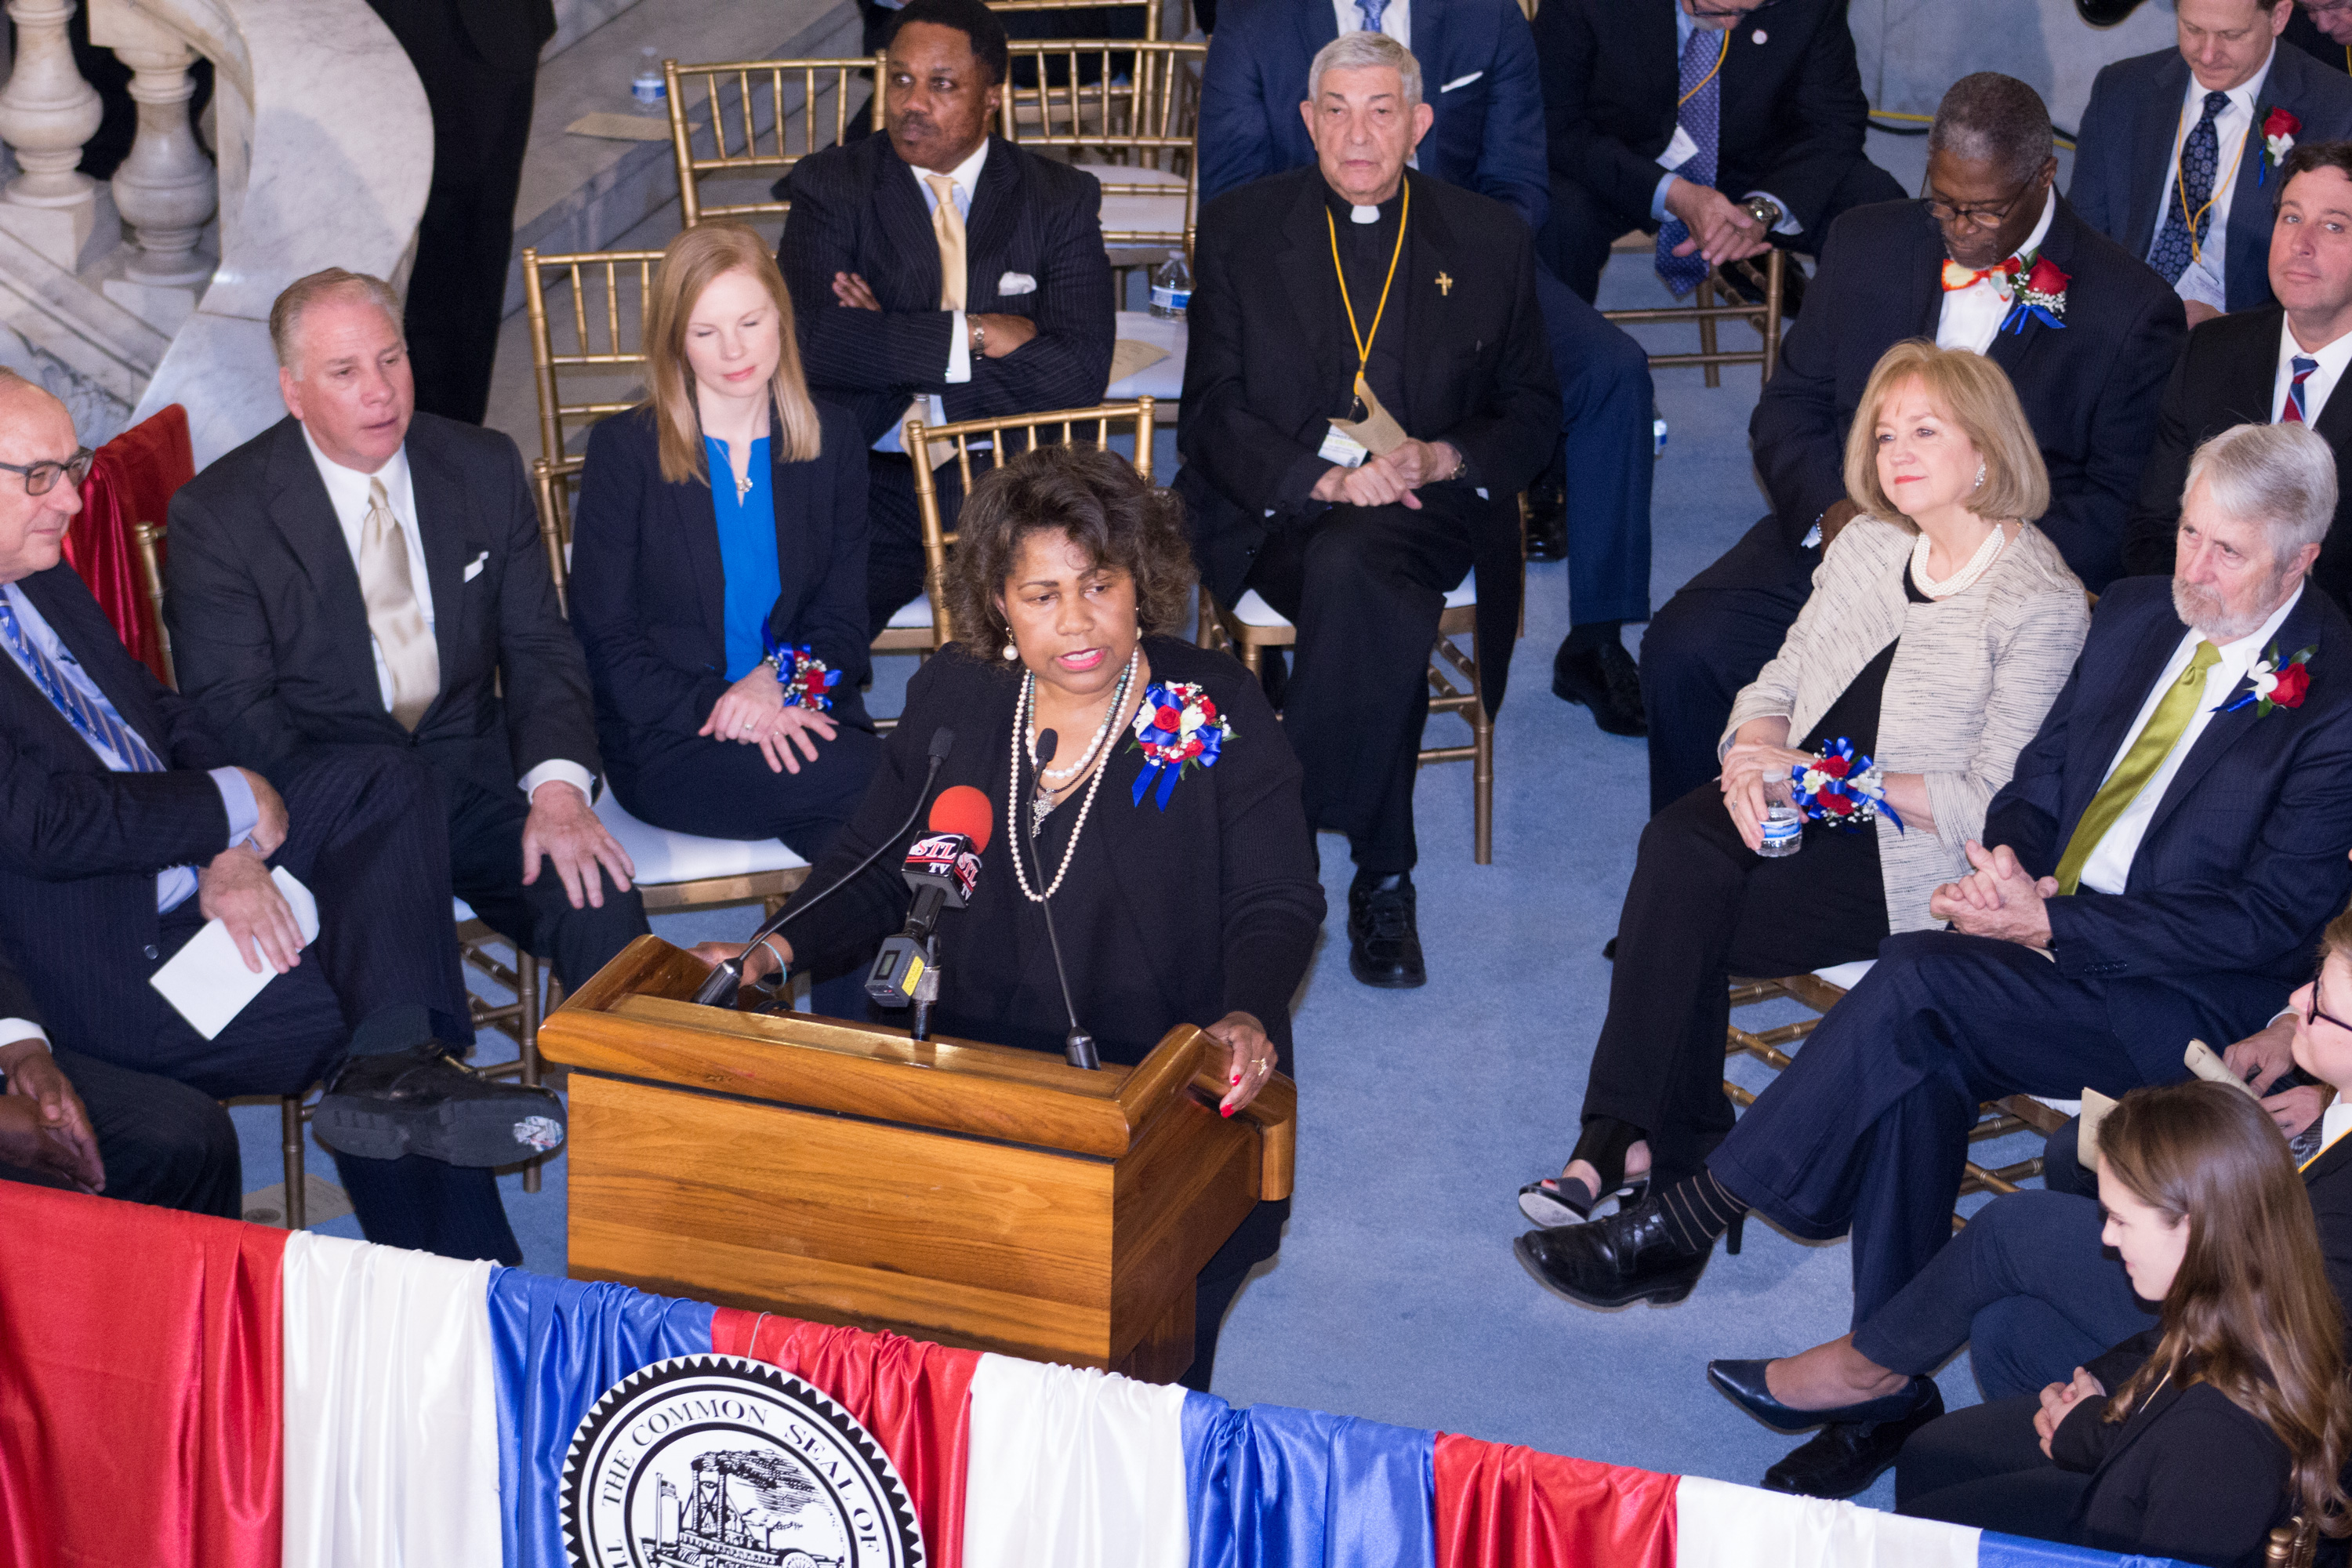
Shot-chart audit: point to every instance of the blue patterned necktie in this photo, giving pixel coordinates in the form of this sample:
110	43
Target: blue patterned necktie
92	721
1371	10
2191	192
2296	411
1701	116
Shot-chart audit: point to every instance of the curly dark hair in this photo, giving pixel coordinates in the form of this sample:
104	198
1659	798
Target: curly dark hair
1108	511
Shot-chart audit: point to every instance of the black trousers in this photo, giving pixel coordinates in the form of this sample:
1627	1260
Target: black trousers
1867	1129
1576	236
1712	636
724	789
1984	1466
2027	1287
1703	907
368	837
1365	586
457	287
894	537
485	870
161	1142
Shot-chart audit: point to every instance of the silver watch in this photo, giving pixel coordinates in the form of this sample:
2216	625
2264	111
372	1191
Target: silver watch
1765	211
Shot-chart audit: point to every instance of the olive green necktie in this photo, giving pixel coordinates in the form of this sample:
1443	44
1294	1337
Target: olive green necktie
2139	764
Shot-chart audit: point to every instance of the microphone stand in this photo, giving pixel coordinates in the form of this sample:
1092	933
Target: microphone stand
726	977
1077	1045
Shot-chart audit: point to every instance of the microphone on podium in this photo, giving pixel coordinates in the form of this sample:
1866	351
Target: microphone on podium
726	977
1077	1045
942	868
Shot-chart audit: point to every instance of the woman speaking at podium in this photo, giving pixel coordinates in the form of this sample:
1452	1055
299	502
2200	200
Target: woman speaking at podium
1163	823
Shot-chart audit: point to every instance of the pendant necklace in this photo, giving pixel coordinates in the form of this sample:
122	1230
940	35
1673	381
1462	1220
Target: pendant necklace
1057	777
1044	804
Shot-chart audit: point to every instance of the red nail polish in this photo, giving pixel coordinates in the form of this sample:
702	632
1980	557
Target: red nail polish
1225	1110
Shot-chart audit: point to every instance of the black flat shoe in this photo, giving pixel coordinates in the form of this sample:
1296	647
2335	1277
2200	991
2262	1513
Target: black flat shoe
1629	1257
2105	13
1743	1383
1384	935
420	1102
1842	1459
1604	679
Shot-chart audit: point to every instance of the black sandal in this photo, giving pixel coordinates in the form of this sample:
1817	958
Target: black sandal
1556	1201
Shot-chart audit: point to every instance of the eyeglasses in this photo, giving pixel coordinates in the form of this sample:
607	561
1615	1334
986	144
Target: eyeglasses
42	477
2314	1015
1985	217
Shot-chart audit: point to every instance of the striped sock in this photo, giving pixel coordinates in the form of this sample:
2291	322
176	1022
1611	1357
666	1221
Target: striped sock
1699	1209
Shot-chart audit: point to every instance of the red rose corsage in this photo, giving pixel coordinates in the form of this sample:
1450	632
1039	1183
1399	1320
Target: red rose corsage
2040	296
2279	127
806	680
1838	787
2277	685
1177	729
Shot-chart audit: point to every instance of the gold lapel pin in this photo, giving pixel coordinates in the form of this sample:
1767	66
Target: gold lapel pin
1445	285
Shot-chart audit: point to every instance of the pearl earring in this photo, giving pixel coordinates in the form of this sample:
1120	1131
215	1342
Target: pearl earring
1012	650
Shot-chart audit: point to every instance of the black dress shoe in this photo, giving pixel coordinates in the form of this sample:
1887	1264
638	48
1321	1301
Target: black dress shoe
1604	679
2105	13
1383	938
420	1102
1629	1257
1839	1460
1743	1381
1547	522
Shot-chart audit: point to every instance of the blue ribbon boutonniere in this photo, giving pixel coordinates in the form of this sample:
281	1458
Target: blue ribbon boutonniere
1177	728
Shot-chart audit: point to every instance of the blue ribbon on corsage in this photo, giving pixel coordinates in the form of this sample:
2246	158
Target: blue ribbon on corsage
1177	728
1838	787
805	678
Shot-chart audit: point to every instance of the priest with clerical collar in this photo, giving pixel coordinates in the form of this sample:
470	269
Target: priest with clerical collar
1367	389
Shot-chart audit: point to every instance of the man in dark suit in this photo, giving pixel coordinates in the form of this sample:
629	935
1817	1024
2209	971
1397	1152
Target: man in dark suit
2277	362
2179	134
2161	865
478	61
126	827
2323	31
364	574
1024	325
1486	135
1359	547
75	1122
2089	387
1754	138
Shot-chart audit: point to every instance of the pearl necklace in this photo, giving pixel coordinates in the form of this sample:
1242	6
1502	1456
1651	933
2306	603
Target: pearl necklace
1045	804
1960	581
1055	778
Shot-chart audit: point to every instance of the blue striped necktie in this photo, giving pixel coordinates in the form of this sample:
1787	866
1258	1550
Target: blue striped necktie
2295	411
1700	114
93	722
1370	11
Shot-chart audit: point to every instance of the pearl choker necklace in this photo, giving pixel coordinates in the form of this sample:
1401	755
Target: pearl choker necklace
1960	581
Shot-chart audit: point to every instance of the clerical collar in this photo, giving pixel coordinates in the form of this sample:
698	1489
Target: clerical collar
1355	212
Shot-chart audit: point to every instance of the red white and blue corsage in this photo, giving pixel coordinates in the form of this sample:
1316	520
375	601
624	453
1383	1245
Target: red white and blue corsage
804	676
1838	787
2277	683
1177	729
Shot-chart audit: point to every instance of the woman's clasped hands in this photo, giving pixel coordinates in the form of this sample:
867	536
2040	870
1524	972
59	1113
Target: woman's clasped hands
753	711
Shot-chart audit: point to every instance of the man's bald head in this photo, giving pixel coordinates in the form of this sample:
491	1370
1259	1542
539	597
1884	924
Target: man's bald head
34	428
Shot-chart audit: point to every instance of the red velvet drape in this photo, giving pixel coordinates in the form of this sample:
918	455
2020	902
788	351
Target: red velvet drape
1506	1507
147	1432
132	481
911	1394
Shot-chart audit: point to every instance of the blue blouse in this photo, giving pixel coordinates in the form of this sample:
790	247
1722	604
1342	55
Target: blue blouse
747	553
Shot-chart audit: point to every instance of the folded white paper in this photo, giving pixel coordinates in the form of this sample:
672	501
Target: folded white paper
207	980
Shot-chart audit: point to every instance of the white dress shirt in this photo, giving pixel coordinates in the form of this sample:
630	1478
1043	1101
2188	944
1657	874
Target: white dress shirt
2332	357
2334	1121
2109	867
15	1029
2205	278
347	492
966	181
1971	317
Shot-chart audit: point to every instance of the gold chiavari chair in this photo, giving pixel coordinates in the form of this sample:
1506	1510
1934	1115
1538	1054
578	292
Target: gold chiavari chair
587	317
1133	127
1151	9
735	120
990	440
1716	302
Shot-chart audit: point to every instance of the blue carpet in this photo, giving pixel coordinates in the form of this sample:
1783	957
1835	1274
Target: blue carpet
1396	1296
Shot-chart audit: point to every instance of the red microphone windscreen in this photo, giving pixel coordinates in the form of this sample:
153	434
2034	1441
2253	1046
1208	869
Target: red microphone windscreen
963	809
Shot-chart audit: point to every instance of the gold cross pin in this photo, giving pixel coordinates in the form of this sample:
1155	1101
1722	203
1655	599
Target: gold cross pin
1445	285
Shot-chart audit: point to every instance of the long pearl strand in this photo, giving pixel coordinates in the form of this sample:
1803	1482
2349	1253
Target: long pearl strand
1055	778
1960	581
1021	712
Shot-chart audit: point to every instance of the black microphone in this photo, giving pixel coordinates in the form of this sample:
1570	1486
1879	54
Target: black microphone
1077	1045
727	976
941	868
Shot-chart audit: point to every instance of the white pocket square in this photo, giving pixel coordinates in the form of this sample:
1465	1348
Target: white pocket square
1461	81
474	567
1016	283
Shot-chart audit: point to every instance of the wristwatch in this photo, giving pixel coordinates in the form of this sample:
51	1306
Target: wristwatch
979	335
1765	211
1461	466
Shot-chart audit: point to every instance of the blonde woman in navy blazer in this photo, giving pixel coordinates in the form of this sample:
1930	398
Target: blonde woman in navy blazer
720	545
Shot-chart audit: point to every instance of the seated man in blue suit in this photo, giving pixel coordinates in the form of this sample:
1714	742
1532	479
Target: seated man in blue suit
1479	61
2161	868
2175	163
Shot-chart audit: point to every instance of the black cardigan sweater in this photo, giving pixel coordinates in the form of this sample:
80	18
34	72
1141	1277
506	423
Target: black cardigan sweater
1166	917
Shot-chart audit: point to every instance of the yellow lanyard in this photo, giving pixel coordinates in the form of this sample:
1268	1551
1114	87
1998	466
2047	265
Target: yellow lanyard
1363	342
2181	178
1725	49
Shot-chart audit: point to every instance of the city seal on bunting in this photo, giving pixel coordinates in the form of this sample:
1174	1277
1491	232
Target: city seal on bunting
706	1460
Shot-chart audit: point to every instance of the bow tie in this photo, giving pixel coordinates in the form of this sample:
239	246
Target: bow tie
1957	277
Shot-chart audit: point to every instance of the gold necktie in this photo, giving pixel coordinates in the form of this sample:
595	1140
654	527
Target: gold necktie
947	227
394	616
2164	727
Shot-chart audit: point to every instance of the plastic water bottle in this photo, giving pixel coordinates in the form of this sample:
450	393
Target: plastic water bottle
1784	832
648	88
1171	287
1657	432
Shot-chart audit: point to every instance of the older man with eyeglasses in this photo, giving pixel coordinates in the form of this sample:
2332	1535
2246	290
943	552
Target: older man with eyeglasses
1992	260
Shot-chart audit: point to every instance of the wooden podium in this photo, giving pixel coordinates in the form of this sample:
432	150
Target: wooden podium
972	1195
